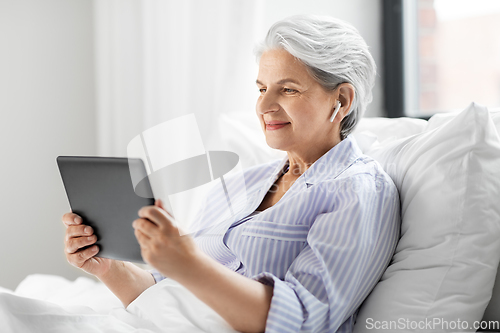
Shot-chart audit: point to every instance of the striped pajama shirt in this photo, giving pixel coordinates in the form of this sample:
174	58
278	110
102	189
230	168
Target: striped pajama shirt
323	246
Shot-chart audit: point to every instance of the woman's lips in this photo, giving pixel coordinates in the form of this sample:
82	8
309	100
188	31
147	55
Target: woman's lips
272	126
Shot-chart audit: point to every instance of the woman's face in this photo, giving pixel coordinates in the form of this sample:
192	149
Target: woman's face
294	110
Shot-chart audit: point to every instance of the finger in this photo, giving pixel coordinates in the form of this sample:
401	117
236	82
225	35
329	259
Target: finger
156	215
71	219
142	238
78	231
146	227
75	244
79	258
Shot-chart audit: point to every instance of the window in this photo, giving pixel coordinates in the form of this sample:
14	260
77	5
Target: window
440	55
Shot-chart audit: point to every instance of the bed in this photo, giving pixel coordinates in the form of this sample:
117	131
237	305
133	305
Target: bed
441	278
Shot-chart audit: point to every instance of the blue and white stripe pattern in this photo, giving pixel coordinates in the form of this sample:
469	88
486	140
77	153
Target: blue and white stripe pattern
323	246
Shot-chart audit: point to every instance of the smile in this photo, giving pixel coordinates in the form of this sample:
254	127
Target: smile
272	126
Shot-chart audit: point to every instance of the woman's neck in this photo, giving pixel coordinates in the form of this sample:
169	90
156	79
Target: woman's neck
299	162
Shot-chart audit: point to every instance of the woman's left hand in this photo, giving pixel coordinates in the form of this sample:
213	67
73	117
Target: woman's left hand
162	245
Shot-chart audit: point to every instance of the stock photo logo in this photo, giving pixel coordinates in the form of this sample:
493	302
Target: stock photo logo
182	173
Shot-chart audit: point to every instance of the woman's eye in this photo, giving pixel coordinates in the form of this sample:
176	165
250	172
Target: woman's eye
289	91
262	90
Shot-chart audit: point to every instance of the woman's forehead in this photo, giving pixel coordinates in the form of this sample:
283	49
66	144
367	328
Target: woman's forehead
279	65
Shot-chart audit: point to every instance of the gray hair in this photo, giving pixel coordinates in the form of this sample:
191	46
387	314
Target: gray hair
333	51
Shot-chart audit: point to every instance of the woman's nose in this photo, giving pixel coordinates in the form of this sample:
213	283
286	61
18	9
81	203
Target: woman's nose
267	103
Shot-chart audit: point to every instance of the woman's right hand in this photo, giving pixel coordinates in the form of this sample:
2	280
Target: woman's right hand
78	236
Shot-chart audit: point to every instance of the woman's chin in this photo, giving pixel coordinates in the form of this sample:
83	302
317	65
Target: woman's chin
276	144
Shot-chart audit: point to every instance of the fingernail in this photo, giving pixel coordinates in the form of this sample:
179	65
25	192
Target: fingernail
78	220
87	230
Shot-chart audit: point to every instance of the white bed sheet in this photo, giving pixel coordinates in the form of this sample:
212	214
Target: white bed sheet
46	303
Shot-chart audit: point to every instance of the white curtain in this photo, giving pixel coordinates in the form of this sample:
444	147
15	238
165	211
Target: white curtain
159	59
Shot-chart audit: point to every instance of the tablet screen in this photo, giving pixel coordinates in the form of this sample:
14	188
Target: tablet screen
100	190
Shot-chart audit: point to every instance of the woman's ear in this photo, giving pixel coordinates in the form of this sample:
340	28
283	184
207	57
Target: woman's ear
346	94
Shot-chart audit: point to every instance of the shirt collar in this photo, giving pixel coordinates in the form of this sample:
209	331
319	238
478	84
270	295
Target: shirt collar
328	166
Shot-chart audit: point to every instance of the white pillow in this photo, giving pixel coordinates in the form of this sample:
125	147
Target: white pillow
391	128
492	312
381	129
442	118
446	260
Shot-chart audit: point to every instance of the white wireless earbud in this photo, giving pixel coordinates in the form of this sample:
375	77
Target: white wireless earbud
335	111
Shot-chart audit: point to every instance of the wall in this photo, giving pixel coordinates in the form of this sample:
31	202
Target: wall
46	109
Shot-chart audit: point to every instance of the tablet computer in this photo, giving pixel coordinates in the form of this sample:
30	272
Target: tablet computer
101	191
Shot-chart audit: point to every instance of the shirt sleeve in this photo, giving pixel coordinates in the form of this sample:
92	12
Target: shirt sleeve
156	275
347	251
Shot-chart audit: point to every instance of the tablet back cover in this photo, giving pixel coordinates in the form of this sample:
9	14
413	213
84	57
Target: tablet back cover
100	190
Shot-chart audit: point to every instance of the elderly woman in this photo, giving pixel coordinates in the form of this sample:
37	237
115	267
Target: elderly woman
319	227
